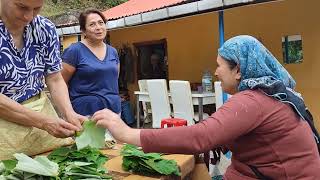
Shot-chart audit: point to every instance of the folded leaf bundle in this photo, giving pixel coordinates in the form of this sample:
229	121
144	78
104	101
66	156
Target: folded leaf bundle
147	163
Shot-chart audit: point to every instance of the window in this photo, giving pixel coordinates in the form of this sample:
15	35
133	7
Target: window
292	49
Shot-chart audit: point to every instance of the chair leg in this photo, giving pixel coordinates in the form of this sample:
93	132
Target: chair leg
207	159
143	122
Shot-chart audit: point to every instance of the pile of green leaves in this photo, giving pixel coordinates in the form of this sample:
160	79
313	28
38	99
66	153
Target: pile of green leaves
80	164
81	161
91	135
65	163
147	163
24	167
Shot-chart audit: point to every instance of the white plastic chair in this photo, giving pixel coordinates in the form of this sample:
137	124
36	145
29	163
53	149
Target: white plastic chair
182	101
160	104
146	107
219	94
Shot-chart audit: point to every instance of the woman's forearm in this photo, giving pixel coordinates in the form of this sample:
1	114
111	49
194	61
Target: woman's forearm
59	93
182	140
15	112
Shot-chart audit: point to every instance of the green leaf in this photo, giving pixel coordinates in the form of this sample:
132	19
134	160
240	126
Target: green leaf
92	136
83	175
163	166
40	165
9	164
62	151
2	168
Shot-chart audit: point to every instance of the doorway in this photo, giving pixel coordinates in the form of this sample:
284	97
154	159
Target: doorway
152	59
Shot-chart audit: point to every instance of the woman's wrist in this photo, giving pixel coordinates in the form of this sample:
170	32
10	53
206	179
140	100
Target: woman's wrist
38	120
67	112
133	136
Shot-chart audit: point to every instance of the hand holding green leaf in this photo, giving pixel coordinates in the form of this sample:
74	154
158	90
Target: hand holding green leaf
91	135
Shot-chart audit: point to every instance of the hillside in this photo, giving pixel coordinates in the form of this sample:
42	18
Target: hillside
67	11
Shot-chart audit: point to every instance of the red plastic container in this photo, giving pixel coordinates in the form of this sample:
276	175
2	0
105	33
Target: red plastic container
173	122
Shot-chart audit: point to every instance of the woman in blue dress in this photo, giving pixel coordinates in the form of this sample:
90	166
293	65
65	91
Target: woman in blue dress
91	68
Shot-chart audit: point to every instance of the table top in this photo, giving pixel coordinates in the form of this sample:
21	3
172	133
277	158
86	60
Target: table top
186	164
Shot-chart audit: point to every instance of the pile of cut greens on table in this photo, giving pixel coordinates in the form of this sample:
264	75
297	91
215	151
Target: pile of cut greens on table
83	161
147	163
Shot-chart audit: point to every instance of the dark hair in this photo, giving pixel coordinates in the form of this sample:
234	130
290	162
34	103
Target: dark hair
231	64
83	17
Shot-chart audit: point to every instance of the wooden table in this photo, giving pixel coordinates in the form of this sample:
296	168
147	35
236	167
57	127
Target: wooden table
189	167
186	165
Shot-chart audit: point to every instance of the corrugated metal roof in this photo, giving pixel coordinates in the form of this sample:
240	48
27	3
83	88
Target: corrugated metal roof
133	7
161	10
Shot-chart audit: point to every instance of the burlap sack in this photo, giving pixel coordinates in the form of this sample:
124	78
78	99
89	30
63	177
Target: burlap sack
29	140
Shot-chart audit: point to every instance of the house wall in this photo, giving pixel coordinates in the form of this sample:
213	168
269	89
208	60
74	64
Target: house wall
269	22
68	40
191	45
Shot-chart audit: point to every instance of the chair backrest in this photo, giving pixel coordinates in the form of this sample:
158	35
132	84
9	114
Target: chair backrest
182	100
143	85
221	97
160	104
218	94
144	88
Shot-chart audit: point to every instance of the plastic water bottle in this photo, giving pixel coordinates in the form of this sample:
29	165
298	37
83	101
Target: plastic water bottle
207	81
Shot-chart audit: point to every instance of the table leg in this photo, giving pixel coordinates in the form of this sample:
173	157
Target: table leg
138	111
200	109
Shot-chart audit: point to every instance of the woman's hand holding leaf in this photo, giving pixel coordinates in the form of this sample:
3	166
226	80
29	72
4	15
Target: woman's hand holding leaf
119	130
75	119
59	128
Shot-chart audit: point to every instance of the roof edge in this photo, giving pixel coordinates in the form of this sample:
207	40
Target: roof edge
172	12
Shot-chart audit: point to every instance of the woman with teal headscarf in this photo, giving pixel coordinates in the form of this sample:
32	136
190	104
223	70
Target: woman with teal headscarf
265	123
261	70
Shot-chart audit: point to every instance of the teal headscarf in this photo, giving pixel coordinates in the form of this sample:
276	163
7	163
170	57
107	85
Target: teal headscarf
256	62
261	70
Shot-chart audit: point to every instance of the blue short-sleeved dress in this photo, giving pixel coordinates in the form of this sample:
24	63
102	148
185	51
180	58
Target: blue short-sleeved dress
22	71
94	85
